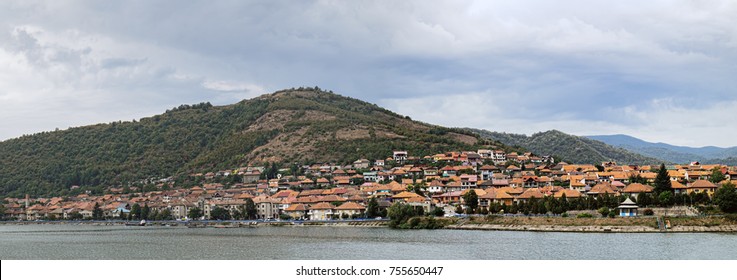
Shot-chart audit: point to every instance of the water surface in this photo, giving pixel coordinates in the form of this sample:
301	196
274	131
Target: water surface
321	243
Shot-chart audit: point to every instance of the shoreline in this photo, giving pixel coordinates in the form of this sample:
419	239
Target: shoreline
458	225
595	229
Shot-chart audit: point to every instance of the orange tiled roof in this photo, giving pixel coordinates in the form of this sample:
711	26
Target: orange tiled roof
637	188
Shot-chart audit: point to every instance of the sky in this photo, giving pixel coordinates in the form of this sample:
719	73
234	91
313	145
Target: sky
662	71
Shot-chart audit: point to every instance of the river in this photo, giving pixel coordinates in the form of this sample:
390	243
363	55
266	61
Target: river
45	241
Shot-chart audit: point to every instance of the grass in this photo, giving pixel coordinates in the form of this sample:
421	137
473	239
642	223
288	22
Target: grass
702	221
565	221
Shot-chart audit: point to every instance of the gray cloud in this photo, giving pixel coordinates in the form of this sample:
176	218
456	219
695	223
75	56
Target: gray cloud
653	70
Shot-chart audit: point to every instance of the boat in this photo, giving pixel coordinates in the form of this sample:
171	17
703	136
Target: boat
141	223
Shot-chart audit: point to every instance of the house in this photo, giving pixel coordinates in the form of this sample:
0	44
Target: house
114	209
473	158
350	209
321	211
485	154
702	186
512	169
530	181
180	210
678	188
499	183
400	156
636	188
448	198
251	177
568	194
435	187
495	196
529	194
487	171
499	157
468	181
266	208
297	211
404	196
448	171
361	164
602	189
372	176
627	208
322	182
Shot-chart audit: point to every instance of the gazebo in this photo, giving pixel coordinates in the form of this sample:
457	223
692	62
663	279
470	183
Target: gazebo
627	208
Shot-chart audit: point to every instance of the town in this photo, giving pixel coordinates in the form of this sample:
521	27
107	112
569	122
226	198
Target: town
440	185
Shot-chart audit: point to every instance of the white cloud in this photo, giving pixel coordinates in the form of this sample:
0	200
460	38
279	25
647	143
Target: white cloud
521	66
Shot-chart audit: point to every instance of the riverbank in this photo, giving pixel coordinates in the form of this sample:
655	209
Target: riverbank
211	224
570	224
495	223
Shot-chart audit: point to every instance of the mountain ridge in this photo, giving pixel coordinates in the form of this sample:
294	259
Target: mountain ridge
305	125
574	149
665	151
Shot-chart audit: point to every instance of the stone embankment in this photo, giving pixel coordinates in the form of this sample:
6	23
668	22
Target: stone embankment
554	228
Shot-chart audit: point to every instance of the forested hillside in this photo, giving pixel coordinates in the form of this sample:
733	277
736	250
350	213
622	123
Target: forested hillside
298	125
568	147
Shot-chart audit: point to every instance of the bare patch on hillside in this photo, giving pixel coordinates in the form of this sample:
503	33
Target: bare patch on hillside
312	115
283	146
468	139
352	133
388	134
277	118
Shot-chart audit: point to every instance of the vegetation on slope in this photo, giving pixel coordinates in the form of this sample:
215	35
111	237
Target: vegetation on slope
568	147
297	125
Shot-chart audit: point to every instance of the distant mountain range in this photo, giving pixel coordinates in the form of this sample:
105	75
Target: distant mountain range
671	153
570	148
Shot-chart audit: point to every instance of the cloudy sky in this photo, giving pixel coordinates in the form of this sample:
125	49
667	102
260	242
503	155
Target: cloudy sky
658	70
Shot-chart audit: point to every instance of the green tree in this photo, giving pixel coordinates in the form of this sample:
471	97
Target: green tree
2	211
218	213
250	209
372	209
165	215
438	212
637	179
145	211
717	176
135	211
666	198
194	213
399	213
75	216
662	181
643	199
726	198
471	200
604	211
154	214
122	215
97	212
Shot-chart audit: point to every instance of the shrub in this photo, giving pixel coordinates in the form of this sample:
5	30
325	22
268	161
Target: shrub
564	215
584	215
612	214
648	212
438	212
604	211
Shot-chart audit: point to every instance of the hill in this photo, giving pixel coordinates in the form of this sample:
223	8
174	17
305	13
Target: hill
568	147
667	152
297	125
